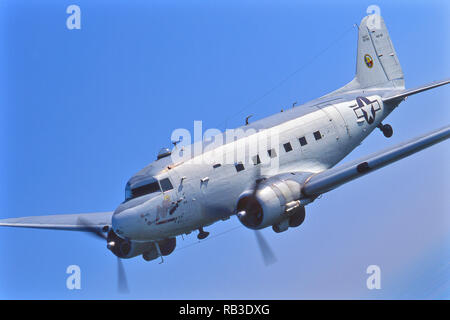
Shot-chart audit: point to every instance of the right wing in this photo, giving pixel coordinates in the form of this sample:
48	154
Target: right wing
75	222
330	179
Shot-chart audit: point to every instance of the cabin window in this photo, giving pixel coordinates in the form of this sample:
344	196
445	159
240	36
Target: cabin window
256	160
239	166
166	185
317	135
217	165
272	153
303	141
287	147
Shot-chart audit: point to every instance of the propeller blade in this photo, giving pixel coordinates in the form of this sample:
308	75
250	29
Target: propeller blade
267	253
91	230
121	277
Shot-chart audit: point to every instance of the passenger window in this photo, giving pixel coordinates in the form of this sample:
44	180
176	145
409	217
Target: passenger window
256	160
317	135
239	166
272	153
166	185
287	147
217	165
303	141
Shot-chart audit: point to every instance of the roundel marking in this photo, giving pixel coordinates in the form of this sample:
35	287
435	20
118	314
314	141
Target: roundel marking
368	60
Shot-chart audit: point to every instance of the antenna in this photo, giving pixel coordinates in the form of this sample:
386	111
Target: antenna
246	119
176	142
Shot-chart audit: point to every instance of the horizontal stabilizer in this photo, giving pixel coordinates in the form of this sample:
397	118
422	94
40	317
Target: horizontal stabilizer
400	95
75	222
332	178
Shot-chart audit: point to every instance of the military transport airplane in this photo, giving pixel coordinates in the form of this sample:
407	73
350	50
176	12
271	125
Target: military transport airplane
175	196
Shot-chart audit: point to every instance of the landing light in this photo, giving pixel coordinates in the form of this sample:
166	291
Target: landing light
241	213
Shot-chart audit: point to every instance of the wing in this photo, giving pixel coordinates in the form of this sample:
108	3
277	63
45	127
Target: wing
332	178
400	95
75	222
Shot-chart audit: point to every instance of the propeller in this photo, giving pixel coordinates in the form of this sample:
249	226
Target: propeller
96	232
121	277
266	252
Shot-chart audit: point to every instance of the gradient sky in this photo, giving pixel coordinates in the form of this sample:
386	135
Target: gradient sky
83	110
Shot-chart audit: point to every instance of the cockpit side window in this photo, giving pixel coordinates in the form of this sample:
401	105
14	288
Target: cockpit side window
166	185
127	192
145	189
141	190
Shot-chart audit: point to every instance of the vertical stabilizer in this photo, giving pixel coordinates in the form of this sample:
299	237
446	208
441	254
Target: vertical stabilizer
377	64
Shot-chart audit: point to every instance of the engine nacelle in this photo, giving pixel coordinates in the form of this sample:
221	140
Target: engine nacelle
167	246
277	201
124	248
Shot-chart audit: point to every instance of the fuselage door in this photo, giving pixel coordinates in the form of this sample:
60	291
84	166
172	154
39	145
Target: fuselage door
337	122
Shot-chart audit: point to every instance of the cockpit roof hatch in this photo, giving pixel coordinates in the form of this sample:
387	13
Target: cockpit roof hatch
164	152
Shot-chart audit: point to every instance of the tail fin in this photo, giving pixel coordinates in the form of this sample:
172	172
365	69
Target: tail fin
377	64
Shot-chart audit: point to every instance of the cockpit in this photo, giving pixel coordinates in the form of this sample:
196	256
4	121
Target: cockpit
148	187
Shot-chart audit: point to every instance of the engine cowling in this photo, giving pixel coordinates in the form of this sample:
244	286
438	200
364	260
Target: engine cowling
167	246
124	248
275	202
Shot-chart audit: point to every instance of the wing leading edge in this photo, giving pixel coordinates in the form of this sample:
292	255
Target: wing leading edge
400	95
74	222
332	178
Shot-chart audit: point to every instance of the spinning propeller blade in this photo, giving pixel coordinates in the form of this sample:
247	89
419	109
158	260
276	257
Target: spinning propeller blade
96	232
91	230
121	277
267	253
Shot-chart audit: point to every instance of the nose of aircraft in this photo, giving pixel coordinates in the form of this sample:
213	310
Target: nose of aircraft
123	223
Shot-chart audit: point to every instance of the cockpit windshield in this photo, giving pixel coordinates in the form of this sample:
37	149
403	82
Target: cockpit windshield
150	187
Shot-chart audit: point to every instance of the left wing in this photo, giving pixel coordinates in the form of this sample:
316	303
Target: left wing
397	96
330	179
74	222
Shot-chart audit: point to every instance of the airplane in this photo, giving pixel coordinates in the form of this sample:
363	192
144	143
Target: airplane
285	162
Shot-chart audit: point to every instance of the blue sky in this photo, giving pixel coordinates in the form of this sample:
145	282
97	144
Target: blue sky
82	110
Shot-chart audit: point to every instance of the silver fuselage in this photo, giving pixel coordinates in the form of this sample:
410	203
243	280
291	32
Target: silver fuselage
204	194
